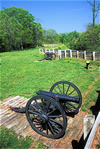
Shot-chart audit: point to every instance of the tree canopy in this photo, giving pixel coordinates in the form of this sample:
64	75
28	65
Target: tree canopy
19	30
88	40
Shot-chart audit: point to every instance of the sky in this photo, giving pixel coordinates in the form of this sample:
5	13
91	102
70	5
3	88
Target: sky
62	16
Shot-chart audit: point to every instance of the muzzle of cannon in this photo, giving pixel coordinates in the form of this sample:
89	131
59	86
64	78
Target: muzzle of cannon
46	112
58	96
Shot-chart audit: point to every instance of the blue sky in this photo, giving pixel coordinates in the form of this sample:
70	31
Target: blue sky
62	16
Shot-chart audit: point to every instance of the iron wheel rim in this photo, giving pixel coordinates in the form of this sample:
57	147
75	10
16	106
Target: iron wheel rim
68	88
42	118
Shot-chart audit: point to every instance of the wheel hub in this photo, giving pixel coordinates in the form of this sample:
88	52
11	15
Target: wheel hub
43	118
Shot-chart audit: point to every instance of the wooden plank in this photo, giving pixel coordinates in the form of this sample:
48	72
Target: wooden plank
11	100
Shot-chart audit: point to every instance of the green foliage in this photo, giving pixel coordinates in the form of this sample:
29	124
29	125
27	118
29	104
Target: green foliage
98	146
61	47
9	140
67	38
40	146
50	36
95	8
88	41
18	29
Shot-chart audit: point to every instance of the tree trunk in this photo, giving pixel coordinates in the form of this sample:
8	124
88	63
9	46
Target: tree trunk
94	14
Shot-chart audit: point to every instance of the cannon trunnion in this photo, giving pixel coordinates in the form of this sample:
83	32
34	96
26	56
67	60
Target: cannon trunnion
46	112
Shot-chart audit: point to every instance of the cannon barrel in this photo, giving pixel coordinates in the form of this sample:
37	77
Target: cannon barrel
58	96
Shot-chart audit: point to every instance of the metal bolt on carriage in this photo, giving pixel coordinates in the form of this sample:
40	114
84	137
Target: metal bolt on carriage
47	112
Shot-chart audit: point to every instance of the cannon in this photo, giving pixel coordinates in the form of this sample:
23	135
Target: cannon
49	56
47	111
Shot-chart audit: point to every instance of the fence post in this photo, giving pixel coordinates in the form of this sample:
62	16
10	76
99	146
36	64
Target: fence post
59	53
93	131
77	54
70	53
88	124
93	56
65	53
84	54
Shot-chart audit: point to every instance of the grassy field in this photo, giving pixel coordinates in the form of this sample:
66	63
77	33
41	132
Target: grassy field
22	75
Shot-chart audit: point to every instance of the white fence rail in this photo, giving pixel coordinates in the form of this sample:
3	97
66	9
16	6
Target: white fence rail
88	55
93	131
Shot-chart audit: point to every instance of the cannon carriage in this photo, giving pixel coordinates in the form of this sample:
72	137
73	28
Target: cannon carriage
47	111
49	56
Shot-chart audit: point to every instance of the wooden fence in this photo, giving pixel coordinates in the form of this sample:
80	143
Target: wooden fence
88	55
92	133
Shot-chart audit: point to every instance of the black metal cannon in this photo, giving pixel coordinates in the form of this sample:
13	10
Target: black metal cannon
49	56
46	112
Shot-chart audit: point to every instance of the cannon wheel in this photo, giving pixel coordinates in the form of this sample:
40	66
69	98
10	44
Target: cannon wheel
46	116
53	56
68	88
50	56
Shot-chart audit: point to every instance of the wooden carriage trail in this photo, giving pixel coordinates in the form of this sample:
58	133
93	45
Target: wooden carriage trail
19	123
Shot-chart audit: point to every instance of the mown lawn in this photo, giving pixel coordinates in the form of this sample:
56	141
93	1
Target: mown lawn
22	75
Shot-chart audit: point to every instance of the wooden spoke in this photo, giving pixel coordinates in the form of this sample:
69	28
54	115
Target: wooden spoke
46	117
71	92
51	129
59	89
55	91
54	126
32	106
57	122
63	88
67	89
33	112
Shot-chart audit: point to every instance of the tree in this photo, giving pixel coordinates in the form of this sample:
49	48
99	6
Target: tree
67	38
38	34
88	40
10	32
62	37
95	8
26	21
18	29
50	36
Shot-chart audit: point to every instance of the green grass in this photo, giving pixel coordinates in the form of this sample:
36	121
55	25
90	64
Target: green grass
21	75
9	140
40	146
98	146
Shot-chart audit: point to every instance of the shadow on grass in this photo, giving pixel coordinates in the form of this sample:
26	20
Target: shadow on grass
96	108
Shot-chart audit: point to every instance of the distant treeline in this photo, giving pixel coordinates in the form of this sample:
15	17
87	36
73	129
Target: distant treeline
19	30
